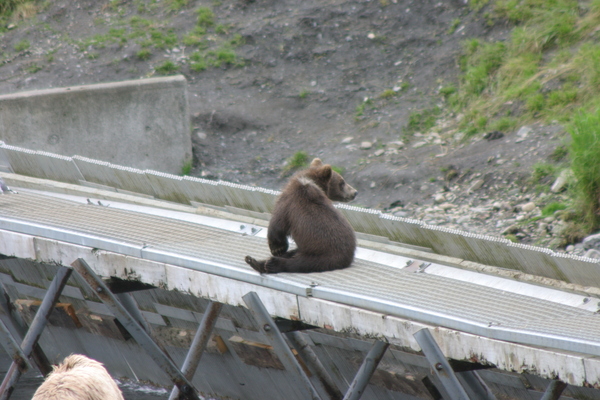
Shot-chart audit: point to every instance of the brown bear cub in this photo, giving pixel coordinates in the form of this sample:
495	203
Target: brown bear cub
324	238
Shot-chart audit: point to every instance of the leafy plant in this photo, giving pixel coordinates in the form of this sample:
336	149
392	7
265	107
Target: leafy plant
296	161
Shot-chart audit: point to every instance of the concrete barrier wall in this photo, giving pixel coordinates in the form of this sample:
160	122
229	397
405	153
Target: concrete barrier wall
142	124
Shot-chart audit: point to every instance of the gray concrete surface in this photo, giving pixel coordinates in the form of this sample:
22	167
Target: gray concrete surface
142	123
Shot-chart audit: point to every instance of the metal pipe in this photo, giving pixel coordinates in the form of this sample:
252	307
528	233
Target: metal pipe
478	389
267	327
440	365
368	367
35	330
19	327
310	357
192	359
554	390
13	348
135	330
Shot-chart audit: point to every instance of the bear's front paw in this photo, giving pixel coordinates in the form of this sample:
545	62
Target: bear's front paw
257	265
278	251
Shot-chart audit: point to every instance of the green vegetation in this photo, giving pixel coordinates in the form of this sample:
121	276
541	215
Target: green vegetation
206	17
144	54
548	68
33	68
455	23
297	161
542	172
22	45
585	164
551	208
187	167
166	68
422	121
210	44
388	93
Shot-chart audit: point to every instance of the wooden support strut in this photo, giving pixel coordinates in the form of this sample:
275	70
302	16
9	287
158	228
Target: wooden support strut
138	332
448	378
35	331
269	329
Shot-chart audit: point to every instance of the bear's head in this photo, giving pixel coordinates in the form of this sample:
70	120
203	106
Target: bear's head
332	183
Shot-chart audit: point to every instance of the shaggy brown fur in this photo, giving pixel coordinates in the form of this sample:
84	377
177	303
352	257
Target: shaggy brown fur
78	378
324	238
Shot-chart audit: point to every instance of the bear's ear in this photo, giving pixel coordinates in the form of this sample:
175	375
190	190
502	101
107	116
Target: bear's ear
316	163
325	173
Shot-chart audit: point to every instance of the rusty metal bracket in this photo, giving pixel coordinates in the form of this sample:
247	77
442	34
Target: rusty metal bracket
187	391
38	324
192	359
269	329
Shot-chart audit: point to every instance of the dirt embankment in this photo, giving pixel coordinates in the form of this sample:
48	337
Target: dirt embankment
338	79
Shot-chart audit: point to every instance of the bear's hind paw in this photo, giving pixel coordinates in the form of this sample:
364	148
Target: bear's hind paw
257	265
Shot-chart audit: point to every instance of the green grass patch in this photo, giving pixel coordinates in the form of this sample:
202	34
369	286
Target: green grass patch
542	171
549	66
453	25
167	68
187	166
206	17
144	54
388	94
422	121
22	45
585	164
551	208
297	161
33	68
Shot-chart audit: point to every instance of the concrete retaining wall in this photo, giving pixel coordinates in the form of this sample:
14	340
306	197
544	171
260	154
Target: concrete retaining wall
142	123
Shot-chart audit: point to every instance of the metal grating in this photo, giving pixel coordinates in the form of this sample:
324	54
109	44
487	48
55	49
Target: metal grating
366	284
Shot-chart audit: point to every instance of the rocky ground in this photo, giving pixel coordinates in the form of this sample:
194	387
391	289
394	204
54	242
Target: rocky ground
338	79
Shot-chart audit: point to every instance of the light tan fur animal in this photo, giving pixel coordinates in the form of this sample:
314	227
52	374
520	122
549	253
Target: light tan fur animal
78	378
